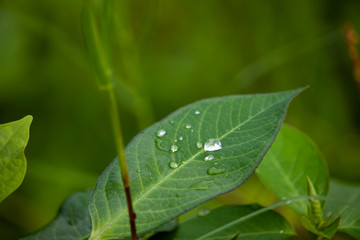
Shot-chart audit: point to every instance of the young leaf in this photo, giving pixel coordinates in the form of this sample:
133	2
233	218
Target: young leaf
292	157
227	222
14	137
328	231
344	201
72	223
200	151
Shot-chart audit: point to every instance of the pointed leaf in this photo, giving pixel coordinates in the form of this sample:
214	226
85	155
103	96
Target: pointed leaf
327	231
229	222
344	201
292	157
72	223
14	137
168	171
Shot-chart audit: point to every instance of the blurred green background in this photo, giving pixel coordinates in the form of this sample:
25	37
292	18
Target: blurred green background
172	53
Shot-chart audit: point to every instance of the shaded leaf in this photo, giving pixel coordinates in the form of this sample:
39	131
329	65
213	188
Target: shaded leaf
344	201
72	223
168	171
231	222
14	137
292	157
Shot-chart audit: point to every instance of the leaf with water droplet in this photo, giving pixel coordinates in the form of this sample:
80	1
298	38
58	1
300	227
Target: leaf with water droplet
242	151
221	223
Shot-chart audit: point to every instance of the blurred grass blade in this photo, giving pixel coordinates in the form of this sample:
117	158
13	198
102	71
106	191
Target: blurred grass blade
72	223
172	168
223	223
14	137
292	157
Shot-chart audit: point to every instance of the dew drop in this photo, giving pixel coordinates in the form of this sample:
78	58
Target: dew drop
192	130
239	128
175	140
161	133
200	185
281	231
197	112
199	145
215	171
172	122
209	157
188	126
174	148
181	138
204	211
138	171
173	165
212	145
160	145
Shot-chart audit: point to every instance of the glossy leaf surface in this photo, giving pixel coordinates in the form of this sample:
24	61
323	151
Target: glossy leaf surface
292	157
72	223
170	169
226	222
14	137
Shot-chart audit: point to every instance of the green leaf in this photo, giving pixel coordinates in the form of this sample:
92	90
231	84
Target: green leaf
344	201
327	232
14	137
72	223
292	157
227	222
165	184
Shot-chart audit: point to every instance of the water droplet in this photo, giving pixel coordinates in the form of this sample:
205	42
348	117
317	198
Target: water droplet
212	145
288	202
175	140
174	148
172	122
209	158
215	171
329	214
192	130
160	145
238	128
181	138
199	145
138	171
173	165
197	112
161	133
188	126
200	185
204	211
281	231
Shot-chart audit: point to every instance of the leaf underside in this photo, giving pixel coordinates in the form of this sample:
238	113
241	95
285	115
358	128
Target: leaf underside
292	157
165	184
226	222
14	137
72	223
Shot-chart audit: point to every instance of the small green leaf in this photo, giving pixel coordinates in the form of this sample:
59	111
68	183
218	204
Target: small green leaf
14	137
202	150
344	201
292	157
72	223
231	222
327	231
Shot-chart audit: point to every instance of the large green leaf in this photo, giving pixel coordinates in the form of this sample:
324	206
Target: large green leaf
14	137
344	201
292	157
226	222
72	223
168	171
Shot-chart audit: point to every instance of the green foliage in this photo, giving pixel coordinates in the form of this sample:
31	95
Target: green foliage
170	172
72	223
231	222
14	137
292	158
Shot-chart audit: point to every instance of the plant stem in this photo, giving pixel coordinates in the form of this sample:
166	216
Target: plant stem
114	115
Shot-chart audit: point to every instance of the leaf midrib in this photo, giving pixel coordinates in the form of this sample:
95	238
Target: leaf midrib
154	187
